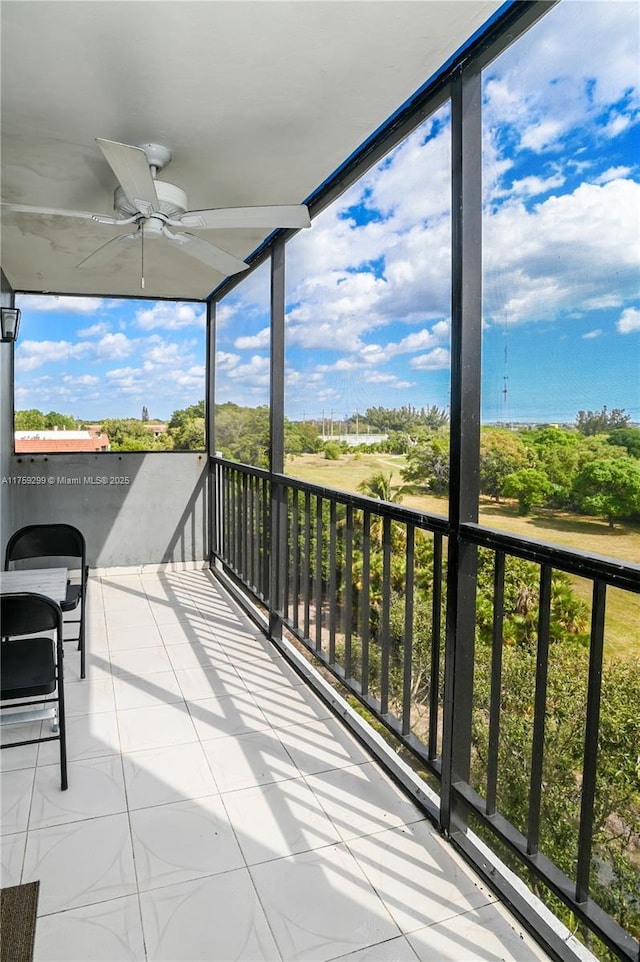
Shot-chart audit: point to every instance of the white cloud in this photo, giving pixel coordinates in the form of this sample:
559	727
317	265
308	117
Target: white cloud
122	373
534	186
254	342
544	86
95	330
46	303
81	380
226	361
34	354
562	255
613	173
113	347
171	317
592	335
629	321
163	353
436	360
256	371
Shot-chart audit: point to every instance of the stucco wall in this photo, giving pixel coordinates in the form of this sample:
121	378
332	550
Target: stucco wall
132	508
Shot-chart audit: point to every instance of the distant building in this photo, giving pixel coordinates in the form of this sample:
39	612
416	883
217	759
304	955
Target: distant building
157	429
58	441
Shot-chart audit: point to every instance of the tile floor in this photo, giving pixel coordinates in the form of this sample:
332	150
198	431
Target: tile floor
217	810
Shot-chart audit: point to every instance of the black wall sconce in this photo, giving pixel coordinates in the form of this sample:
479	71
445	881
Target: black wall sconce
10	320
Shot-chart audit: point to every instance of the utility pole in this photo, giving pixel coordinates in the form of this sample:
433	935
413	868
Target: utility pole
504	387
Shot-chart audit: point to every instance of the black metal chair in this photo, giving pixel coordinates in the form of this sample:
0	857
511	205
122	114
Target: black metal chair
63	541
32	667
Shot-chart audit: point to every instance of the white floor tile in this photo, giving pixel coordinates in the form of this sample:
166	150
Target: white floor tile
361	800
256	758
225	715
320	905
487	933
108	932
393	950
186	633
80	863
236	927
140	661
271	674
16	799
135	691
155	727
183	841
143	636
176	614
20	756
196	653
291	706
203	681
167	774
89	695
418	875
88	736
12	855
278	819
96	787
122	619
322	746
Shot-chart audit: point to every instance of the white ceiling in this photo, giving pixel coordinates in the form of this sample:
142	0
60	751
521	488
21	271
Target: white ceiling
259	101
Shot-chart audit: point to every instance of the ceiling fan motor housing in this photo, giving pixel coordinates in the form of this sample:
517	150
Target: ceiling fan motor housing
172	203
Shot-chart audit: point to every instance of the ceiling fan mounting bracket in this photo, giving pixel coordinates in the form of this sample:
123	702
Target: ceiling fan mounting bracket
157	155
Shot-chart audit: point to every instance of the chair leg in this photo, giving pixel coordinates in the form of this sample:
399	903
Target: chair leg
64	784
81	646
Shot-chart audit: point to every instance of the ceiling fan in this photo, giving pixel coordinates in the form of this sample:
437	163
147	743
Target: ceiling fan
157	208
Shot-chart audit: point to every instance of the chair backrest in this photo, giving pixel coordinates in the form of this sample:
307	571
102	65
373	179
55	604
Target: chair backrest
26	612
46	541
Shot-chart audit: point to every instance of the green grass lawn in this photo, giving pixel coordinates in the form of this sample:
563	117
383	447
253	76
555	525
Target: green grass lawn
592	535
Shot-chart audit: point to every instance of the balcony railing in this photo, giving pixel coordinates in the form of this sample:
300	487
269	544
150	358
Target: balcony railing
368	587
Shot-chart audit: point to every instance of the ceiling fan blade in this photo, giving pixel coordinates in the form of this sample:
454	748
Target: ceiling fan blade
131	168
107	252
209	254
51	211
285	215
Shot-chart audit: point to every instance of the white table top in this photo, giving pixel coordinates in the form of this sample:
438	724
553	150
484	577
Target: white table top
51	582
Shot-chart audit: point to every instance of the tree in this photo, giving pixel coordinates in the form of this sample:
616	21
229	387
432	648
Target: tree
530	486
610	488
190	436
129	434
380	486
64	422
428	464
501	453
628	438
601	422
332	451
183	414
145	413
29	420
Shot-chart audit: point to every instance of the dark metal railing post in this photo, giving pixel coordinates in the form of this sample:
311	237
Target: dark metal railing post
466	343
590	764
278	500
539	711
407	660
496	683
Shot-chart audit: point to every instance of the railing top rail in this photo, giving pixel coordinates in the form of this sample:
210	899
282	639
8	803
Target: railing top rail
612	571
386	509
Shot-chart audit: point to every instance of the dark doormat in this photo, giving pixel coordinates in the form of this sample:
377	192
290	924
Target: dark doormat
18	922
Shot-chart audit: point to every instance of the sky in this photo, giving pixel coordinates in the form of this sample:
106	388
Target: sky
368	286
